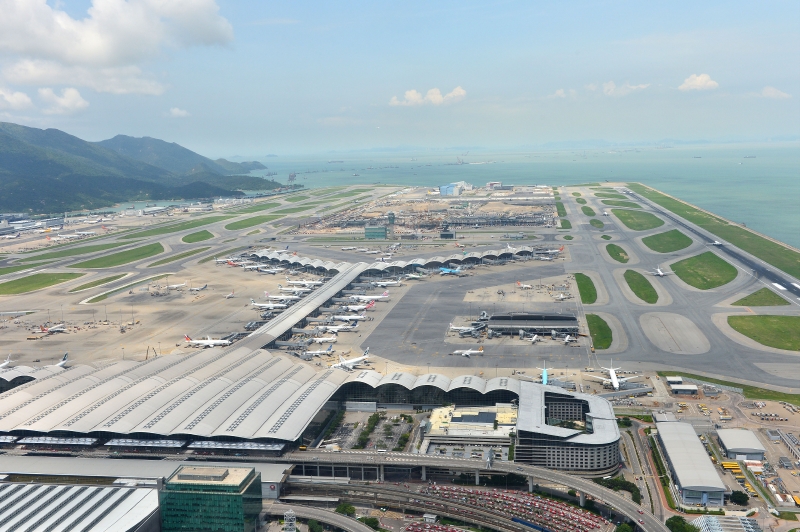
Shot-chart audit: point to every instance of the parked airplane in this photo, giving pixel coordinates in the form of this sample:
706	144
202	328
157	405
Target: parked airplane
294	289
281	251
338	328
85	233
63	362
535	338
551	251
659	272
524	286
283	297
208	342
221	261
349	365
54	329
271	271
414	276
348	248
358	308
612	379
247	267
176	286
68	237
199	288
370	298
267	306
7	362
319	352
328	340
304	282
459	329
567	339
11	237
230	296
384	284
468	352
350	317
562	297
449	271
544	373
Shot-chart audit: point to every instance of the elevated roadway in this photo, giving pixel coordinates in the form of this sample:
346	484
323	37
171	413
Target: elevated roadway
324	516
585	486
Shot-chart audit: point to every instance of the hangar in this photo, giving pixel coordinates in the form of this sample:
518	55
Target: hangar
741	444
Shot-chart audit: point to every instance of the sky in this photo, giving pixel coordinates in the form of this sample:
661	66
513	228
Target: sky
251	78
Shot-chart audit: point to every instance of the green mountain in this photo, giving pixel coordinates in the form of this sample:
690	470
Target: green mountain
173	157
49	171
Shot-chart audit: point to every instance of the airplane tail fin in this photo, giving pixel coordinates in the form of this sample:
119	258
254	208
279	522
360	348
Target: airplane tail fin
561	248
330	348
341	359
386	293
252	300
366	353
480	349
186	336
65	357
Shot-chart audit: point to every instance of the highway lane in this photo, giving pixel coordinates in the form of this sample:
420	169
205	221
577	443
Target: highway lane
613	499
324	516
754	264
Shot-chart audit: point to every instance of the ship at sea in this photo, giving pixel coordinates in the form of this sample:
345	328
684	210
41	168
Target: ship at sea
749	156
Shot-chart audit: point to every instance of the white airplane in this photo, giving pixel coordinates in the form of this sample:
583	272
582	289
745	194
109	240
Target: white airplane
85	233
304	282
552	251
544	373
384	284
414	276
714	243
231	295
247	267
221	261
283	297
612	379
176	286
271	271
605	213
338	328
370	298
468	352
208	342
459	329
281	251
659	272
319	352
294	289
328	340
562	297
350	317
568	339
362	250
348	248
11	237
373	252
7	362
535	338
199	288
93	221
349	365
357	308
55	238
267	306
63	362
524	286
68	237
54	329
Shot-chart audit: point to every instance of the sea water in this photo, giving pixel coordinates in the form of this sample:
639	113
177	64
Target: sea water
758	185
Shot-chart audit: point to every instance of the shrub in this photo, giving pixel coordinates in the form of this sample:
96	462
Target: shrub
346	509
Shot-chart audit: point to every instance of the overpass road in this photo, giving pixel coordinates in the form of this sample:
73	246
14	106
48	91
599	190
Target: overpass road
358	458
323	516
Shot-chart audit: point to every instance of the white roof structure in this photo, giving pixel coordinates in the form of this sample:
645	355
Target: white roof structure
740	441
12	376
43	507
410	382
688	457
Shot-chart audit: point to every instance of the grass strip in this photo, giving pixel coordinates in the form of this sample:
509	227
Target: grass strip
641	286
773	253
621	203
585	185
568	237
291	210
295	199
250	222
179	256
704	271
173	228
256	208
253	232
605	237
576	194
608	195
780	332
221	253
122	257
668	241
638	221
586	288
594	222
617	253
761	298
750	392
128	286
197	237
560	209
566	224
588	211
19	267
71	252
581	201
37	281
98	282
600	331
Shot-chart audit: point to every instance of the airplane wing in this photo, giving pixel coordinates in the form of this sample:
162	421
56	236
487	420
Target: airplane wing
599	378
626	379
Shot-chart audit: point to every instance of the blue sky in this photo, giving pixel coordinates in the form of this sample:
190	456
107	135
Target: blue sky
250	78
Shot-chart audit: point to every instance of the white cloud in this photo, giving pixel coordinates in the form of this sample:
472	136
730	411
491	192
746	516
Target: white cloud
772	92
698	83
70	101
433	97
560	93
13	101
610	88
102	50
591	87
175	112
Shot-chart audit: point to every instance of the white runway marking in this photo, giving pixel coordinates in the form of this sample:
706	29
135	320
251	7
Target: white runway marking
779	287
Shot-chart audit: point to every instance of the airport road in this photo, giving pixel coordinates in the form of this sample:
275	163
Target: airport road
325	516
613	499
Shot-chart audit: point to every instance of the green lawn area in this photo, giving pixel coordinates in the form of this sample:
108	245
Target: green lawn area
585	185
220	254
182	226
617	253
560	209
128	286
122	257
197	237
641	286
781	332
638	221
594	222
750	392
322	191
291	210
610	195
565	224
19	267
621	203
704	271
179	256
295	199
350	193
557	198
74	251
773	253
605	237
600	331
586	288
580	201
36	281
568	237
762	298
667	242
576	194
588	211
98	282
250	222
253	232
256	208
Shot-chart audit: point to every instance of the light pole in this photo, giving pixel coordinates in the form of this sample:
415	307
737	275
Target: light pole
123	353
159	348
